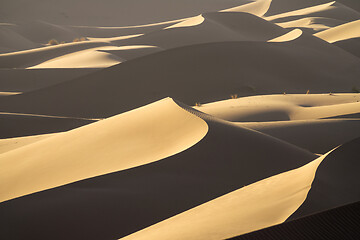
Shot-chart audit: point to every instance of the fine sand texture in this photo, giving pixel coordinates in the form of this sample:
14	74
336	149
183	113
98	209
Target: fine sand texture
191	119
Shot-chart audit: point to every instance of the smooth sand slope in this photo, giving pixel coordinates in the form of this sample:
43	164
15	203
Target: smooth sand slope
17	125
269	201
317	136
337	223
100	57
262	204
110	13
340	33
9	144
212	27
336	181
199	73
285	107
24	80
28	58
144	137
226	159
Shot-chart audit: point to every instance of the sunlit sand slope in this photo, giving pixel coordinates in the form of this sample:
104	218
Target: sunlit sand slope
226	159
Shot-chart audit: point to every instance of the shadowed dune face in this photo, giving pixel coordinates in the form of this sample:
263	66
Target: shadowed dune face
336	181
285	107
89	151
125	141
198	73
214	166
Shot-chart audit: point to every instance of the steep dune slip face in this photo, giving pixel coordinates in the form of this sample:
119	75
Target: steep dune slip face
285	107
262	204
226	159
198	73
270	201
125	141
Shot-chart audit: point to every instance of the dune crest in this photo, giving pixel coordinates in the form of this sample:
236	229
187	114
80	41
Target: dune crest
258	8
188	22
138	137
304	11
235	213
290	36
343	32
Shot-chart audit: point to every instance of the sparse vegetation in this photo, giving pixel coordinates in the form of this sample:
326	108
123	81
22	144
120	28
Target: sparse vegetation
53	42
234	96
81	39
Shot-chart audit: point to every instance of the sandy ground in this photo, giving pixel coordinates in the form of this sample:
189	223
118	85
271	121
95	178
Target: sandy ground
175	119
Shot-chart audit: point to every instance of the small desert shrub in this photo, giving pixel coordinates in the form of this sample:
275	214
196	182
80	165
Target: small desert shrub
53	42
79	39
234	96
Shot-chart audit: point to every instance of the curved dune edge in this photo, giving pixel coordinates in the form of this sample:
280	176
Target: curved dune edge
315	23
258	8
343	32
284	107
304	11
292	35
9	144
262	204
313	135
190	22
131	139
90	58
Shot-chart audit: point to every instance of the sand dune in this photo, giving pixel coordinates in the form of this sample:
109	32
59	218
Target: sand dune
290	36
220	69
168	137
25	80
17	125
93	144
100	57
329	9
313	135
351	45
340	33
9	144
179	182
11	40
28	58
337	223
235	213
336	181
212	27
90	58
9	93
316	24
284	107
95	31
258	8
111	13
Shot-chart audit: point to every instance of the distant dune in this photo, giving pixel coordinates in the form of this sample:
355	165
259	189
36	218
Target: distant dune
192	119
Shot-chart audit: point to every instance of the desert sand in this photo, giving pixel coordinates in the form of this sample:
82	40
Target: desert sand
178	119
